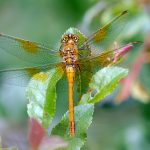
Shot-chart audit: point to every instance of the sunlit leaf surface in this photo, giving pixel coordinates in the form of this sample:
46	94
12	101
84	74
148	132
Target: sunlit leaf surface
42	95
103	83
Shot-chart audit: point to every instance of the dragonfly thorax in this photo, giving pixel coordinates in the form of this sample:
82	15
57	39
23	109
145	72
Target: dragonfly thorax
68	49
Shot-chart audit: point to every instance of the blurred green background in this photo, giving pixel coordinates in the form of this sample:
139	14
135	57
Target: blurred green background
121	121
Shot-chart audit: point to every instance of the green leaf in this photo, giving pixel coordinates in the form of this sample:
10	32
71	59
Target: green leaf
103	83
83	119
41	93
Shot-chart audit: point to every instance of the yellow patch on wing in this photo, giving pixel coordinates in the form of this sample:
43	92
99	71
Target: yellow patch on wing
30	47
33	71
37	74
41	76
101	34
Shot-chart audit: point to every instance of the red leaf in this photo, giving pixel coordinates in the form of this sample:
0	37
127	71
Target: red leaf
36	133
129	80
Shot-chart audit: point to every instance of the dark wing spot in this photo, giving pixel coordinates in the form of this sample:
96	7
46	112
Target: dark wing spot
30	47
32	71
37	74
101	34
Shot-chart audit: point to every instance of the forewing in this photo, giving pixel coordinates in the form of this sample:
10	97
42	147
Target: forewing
106	35
30	52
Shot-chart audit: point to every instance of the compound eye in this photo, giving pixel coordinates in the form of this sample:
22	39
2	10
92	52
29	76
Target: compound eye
75	38
65	39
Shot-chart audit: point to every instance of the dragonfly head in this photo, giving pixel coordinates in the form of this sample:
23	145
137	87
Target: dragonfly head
69	38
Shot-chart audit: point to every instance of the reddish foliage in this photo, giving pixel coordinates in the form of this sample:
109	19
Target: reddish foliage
36	134
122	51
143	57
128	81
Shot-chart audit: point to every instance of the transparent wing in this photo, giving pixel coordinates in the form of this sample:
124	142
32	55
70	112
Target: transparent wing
21	76
30	52
83	77
87	67
106	35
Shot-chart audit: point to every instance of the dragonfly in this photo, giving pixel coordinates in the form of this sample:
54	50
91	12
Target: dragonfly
76	57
